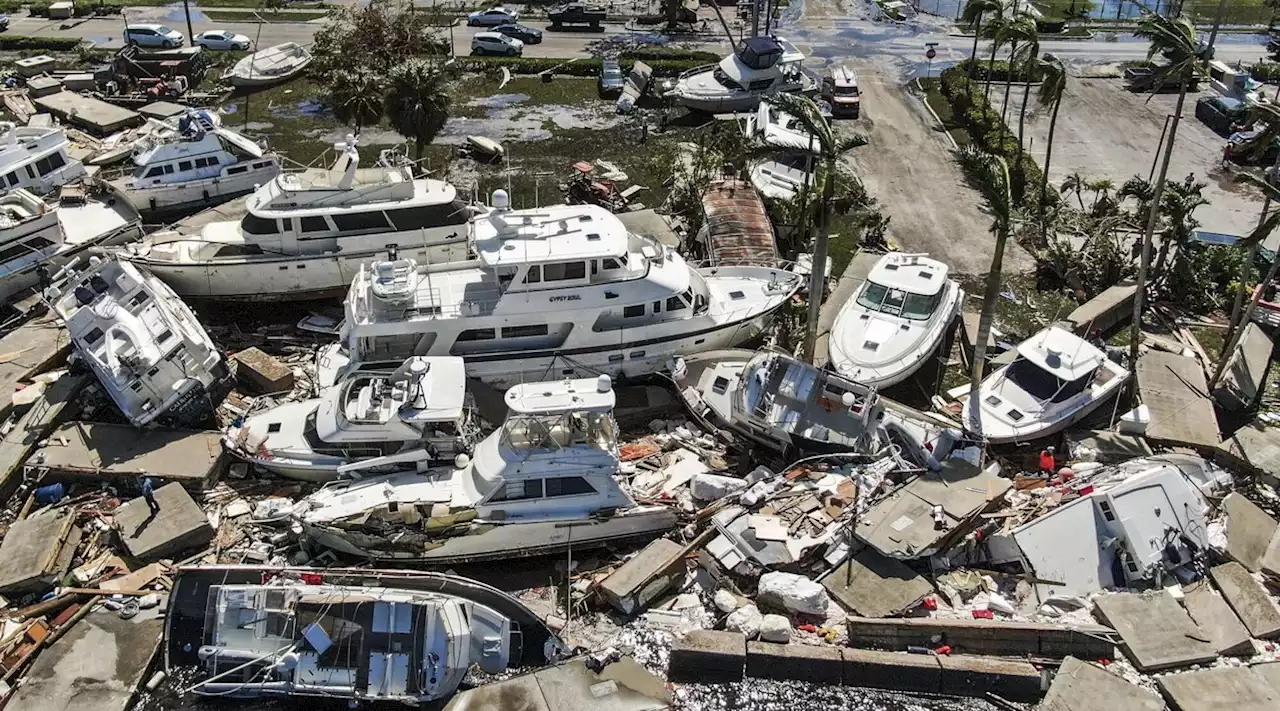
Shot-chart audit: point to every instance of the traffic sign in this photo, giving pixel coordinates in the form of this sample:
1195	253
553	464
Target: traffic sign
931	53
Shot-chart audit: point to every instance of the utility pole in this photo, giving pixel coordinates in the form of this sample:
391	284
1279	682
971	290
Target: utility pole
755	17
191	34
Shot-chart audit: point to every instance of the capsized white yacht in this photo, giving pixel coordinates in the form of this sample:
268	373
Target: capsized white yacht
144	345
192	161
38	236
897	320
760	66
306	235
776	128
550	468
554	292
36	158
272	65
408	418
795	408
1057	380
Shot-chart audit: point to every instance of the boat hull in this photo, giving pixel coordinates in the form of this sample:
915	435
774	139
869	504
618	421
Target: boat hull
193	195
1002	434
895	371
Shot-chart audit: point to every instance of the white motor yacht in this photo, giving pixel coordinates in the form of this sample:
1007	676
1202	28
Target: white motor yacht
418	412
553	462
39	237
760	66
898	319
1057	380
36	158
192	162
147	349
306	236
554	292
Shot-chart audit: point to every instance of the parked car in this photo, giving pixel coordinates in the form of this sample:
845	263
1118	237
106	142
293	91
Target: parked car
611	79
528	35
153	36
222	40
1222	114
577	13
4	22
492	17
495	43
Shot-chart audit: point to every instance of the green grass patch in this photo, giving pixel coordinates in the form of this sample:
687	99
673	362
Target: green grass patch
1030	309
933	96
265	16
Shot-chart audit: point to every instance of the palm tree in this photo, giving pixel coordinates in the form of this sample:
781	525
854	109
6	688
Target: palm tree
1179	202
827	149
1021	30
1074	183
417	101
1052	87
1176	39
989	175
994	30
1101	190
972	17
358	96
1269	223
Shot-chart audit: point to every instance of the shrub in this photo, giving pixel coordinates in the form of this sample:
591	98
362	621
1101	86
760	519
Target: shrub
582	68
19	42
647	54
999	71
1265	71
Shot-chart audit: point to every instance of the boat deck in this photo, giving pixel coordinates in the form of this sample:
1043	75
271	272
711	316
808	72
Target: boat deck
88	222
739	231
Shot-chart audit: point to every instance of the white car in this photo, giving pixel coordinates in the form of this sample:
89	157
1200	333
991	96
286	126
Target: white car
153	36
492	17
495	43
222	39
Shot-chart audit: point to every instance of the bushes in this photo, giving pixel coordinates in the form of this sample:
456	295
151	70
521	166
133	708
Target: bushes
582	68
1265	71
19	42
971	109
999	71
648	54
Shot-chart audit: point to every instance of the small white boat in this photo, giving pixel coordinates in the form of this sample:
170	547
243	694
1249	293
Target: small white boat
1056	380
760	66
373	422
485	146
272	65
780	177
896	321
776	128
145	346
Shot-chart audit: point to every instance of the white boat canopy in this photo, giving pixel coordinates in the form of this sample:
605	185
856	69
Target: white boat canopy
1062	354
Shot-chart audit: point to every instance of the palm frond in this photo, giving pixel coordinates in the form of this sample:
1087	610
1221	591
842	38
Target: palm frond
989	175
975	9
1053	81
850	142
1262	231
808	114
1268	188
1174	37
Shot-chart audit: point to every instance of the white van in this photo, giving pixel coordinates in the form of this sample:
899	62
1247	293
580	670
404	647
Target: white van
840	89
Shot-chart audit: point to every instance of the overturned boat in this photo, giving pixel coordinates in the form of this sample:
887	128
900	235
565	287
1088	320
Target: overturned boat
362	635
896	322
790	406
544	482
760	66
145	346
272	65
373	422
1057	380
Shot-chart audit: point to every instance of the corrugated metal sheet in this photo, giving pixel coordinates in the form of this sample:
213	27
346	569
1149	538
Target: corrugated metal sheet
738	229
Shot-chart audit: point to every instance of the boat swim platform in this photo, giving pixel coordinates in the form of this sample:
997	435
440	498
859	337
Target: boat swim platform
80	451
94	115
738	230
506	542
1175	391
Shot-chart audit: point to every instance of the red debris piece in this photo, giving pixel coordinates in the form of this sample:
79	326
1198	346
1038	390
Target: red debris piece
930	603
983	615
944	649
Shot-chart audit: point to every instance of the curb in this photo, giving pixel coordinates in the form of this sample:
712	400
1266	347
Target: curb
934	114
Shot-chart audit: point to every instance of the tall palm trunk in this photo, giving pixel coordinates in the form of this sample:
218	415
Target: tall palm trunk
1044	182
817	280
973	53
984	331
1008	82
1246	268
1022	115
986	89
1144	262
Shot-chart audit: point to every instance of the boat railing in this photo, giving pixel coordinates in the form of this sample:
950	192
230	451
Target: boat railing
780	264
696	70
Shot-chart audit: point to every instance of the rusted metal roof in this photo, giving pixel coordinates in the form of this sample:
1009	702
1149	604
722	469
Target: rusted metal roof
738	229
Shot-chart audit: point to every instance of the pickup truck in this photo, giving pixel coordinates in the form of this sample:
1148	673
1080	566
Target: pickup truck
576	13
1145	78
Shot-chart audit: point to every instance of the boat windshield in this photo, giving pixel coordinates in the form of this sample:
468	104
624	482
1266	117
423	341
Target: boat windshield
917	307
530	433
1043	385
725	81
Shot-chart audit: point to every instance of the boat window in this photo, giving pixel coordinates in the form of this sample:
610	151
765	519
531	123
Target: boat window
139	299
657	307
34	244
255	225
920	307
50	163
524	331
356	221
184	165
700	303
168	169
31	171
720	386
564	271
416	218
315	223
917	307
568	486
278	625
262	164
477	334
725	81
154	172
164	336
237	170
534	275
675	303
237	250
610	263
12	178
633	311
518	490
204	162
93	336
1043	385
759	85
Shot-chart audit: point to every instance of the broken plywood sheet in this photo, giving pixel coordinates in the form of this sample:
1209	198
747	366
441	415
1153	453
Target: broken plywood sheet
871	585
1156	632
1174	389
1080	686
902	525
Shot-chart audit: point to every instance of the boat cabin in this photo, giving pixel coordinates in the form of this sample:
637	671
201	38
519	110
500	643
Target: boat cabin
35	159
787	395
905	285
29	231
1054	367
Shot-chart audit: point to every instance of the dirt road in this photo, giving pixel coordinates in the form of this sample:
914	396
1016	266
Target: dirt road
908	166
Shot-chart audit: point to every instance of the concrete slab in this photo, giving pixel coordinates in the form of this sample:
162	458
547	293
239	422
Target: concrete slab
1111	447
94	115
1156	632
1080	686
162	110
1237	689
708	655
178	526
871	585
896	671
1211	613
261	372
1249	599
797	662
1250	531
50	410
1253	448
984	637
975	676
1270	672
1105	311
569	687
33	348
848	285
1271	559
96	450
1246	370
657	567
37	551
1175	390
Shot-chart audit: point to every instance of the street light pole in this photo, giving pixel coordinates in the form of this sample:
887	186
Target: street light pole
1217	20
191	34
